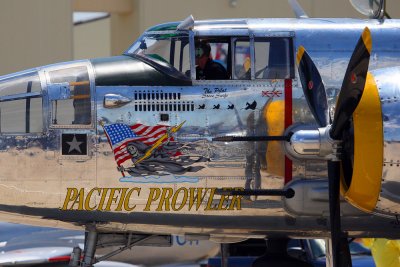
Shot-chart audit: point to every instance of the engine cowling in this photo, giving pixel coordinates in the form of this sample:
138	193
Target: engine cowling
370	151
375	182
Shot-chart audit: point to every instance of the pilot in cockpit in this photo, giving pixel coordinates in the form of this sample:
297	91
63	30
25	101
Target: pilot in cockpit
206	67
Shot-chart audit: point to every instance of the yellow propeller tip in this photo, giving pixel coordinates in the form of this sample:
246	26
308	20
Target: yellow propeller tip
300	53
366	36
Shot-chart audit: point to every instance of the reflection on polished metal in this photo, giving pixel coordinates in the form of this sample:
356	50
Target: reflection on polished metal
317	143
173	189
115	101
389	93
311	199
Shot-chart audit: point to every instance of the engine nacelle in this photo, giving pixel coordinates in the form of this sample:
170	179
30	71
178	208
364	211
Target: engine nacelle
370	150
375	182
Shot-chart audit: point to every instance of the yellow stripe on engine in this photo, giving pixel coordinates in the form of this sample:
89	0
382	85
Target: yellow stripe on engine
365	186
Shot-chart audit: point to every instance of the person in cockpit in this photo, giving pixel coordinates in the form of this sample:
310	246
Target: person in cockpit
206	67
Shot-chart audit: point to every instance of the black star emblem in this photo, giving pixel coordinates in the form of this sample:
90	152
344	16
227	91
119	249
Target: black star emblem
74	144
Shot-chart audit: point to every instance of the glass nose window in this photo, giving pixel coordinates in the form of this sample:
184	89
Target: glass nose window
21	103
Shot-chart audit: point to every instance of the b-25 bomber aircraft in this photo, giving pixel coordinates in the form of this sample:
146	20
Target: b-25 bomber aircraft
140	146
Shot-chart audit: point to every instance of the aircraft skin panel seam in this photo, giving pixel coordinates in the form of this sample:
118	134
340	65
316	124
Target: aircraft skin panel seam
368	140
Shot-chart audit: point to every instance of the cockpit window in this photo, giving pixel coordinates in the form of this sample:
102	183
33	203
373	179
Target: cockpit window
242	60
73	105
212	57
165	48
273	58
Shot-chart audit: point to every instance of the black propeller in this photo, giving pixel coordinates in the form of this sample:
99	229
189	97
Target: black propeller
313	87
349	97
353	84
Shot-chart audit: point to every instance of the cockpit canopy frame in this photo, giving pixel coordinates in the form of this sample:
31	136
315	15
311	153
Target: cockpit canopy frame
174	48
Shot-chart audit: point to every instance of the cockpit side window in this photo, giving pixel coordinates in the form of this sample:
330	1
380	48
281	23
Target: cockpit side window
242	59
213	61
69	91
273	58
21	108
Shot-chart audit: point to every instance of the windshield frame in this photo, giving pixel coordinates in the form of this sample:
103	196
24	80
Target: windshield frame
135	50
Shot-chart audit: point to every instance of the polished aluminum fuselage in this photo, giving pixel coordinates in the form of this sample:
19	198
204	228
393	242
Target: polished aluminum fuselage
35	177
389	93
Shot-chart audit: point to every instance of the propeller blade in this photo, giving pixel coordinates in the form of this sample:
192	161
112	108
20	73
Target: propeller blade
353	84
340	250
313	87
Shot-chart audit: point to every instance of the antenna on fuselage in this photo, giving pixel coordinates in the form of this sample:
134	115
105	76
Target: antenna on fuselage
297	9
186	24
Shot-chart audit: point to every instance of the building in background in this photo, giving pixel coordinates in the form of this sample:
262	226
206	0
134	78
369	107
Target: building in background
91	35
40	32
